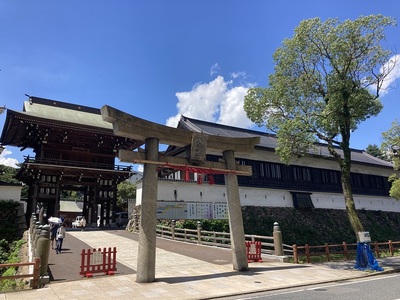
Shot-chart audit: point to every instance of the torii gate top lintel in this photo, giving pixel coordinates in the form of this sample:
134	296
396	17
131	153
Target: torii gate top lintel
129	126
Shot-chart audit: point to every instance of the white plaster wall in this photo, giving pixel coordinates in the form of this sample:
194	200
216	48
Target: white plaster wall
190	192
11	193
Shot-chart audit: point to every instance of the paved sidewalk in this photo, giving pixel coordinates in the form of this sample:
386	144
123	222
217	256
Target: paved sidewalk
187	272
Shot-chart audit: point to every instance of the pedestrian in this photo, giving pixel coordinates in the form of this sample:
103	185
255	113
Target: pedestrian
60	238
53	233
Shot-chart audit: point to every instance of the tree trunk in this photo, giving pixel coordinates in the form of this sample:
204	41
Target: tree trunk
345	165
350	206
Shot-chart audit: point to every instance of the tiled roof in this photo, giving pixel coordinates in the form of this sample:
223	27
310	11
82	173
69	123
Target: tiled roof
64	112
268	140
71	206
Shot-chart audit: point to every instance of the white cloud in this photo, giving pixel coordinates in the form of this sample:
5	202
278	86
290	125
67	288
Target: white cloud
231	108
238	74
214	69
10	162
217	101
394	65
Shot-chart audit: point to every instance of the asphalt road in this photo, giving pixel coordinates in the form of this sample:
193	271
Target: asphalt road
380	287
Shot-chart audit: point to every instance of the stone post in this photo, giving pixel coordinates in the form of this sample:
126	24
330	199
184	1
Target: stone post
146	266
199	232
238	241
278	244
173	229
37	235
43	249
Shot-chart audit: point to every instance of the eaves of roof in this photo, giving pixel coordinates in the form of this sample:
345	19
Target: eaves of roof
269	141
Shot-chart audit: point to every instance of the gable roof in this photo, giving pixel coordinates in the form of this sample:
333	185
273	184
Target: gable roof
64	112
270	141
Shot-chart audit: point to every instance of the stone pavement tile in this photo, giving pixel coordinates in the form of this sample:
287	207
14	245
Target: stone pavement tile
182	277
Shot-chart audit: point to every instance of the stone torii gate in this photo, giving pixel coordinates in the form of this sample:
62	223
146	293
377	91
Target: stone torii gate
153	134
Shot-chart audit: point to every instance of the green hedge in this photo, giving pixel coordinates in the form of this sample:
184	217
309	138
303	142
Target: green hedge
319	226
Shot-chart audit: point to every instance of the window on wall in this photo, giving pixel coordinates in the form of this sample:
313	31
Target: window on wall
301	173
376	182
330	177
270	170
302	200
356	180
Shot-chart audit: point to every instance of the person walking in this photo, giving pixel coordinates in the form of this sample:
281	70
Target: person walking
60	238
53	233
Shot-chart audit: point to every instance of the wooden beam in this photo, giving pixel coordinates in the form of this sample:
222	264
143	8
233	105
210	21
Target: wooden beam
163	160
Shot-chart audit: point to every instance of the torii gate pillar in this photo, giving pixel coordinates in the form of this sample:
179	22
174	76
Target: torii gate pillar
235	215
146	265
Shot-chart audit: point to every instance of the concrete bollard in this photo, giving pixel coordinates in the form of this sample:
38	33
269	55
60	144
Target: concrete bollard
43	249
173	229
278	244
199	228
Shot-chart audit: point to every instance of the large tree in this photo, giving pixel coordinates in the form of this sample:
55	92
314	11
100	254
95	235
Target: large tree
126	191
375	151
327	80
391	145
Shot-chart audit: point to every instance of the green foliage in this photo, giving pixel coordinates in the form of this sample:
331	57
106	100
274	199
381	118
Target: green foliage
8	174
391	145
4	250
321	89
375	151
9	253
319	226
8	218
208	225
395	188
126	191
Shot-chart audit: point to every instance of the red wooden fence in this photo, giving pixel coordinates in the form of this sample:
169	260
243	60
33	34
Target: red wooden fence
253	251
344	249
98	261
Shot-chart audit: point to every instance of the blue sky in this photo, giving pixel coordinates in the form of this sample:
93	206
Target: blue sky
160	59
